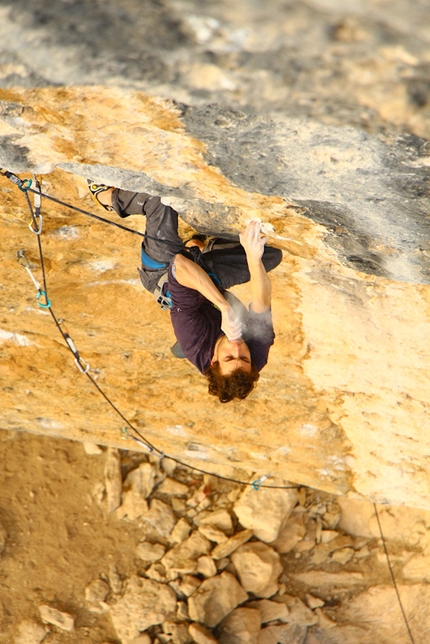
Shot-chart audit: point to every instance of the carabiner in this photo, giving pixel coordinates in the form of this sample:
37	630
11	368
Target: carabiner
24	185
256	485
47	304
33	221
84	367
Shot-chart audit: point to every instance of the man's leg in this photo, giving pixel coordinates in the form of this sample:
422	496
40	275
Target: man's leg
228	262
162	241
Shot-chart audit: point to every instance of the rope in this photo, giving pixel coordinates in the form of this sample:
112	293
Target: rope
405	619
84	367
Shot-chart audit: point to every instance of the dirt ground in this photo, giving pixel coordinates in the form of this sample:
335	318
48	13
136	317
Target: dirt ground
58	536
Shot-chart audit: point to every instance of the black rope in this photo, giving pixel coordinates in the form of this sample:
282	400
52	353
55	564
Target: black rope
405	619
255	484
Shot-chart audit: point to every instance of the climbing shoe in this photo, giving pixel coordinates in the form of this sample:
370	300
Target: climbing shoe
95	190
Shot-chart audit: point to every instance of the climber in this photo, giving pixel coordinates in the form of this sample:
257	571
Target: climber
215	332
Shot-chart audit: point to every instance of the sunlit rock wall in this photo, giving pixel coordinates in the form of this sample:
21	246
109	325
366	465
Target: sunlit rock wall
343	404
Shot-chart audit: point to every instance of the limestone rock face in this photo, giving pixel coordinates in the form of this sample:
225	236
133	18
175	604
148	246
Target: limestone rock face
228	114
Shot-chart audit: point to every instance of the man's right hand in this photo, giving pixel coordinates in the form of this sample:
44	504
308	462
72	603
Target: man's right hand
252	241
230	323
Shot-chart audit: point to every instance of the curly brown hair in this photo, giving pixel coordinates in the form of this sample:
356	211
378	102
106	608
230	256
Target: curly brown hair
237	384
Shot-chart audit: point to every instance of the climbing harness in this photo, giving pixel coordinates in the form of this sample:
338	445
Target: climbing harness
44	302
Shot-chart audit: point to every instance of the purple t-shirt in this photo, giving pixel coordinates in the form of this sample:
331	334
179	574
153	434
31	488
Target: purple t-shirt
197	326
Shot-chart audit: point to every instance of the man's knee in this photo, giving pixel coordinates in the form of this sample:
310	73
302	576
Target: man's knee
272	257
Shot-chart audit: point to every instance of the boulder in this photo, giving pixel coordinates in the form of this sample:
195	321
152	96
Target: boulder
181	531
293	532
270	610
258	567
212	533
225	548
265	512
183	558
176	631
215	599
219	519
173	488
145	603
138	486
242	626
150	551
206	566
160	516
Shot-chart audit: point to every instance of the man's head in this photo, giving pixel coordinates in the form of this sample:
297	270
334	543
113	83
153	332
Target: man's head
231	355
231	373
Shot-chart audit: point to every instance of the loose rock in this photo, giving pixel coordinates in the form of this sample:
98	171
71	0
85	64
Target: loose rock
178	632
53	616
187	586
283	634
290	535
95	594
219	519
242	626
137	487
200	634
150	551
206	566
212	533
270	610
160	517
225	549
323	620
266	512
182	558
144	638
92	449
173	488
113	479
258	567
145	603
181	531
314	602
298	612
215	599
30	633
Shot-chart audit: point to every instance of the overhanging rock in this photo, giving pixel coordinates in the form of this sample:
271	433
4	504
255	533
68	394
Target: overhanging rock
342	405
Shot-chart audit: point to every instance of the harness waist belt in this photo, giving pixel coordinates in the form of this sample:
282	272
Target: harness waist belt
152	264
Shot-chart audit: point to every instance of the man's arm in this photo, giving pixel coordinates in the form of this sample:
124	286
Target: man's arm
191	275
261	288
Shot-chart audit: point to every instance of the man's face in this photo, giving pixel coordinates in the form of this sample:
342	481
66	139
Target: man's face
232	355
